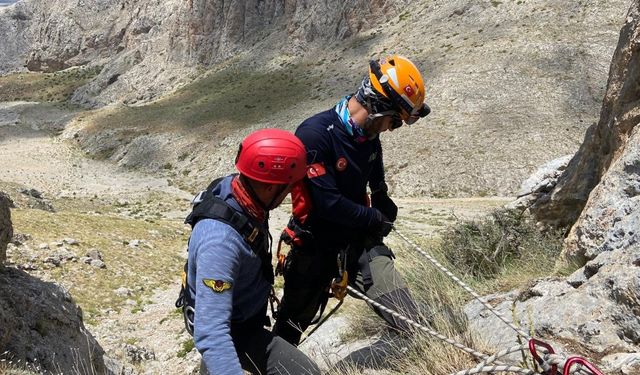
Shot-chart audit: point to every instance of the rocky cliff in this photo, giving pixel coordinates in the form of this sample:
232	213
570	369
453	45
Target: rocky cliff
40	325
596	310
148	47
597	193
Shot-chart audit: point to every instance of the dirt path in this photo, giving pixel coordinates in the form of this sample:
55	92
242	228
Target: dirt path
30	156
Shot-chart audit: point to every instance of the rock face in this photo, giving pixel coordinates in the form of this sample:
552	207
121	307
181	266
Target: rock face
40	324
601	181
596	311
150	46
6	228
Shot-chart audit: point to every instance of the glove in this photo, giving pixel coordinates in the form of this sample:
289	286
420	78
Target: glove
381	225
381	201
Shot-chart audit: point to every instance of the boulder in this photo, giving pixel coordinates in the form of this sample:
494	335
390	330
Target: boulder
40	324
598	316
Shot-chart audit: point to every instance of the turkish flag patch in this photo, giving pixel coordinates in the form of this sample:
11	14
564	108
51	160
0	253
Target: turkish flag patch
316	170
341	164
409	90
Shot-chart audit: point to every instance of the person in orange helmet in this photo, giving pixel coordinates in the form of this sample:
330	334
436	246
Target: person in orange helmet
333	216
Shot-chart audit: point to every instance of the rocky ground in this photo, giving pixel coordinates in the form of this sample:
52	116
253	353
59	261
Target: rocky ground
45	175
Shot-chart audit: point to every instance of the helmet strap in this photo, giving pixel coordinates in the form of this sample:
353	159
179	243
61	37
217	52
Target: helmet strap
252	193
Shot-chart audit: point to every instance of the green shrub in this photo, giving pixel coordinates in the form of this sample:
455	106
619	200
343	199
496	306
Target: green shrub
484	248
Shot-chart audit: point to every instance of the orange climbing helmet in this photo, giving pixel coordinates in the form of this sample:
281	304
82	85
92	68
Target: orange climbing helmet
398	79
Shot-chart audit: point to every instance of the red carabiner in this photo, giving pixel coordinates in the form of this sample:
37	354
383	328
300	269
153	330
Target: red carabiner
581	361
534	353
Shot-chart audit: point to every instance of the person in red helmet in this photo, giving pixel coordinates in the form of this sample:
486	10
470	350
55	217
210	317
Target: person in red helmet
228	276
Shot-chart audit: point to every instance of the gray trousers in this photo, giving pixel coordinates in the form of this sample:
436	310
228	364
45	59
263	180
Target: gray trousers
261	352
309	271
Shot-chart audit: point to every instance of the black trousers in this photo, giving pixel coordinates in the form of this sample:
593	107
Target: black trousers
261	352
310	269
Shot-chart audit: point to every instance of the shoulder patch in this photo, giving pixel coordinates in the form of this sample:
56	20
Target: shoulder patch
217	286
341	164
316	170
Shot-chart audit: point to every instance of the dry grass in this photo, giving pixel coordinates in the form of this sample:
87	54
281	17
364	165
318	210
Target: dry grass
442	299
44	87
214	106
140	269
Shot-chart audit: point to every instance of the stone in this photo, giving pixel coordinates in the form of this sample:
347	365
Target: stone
98	263
50	332
138	354
94	254
123	292
32	192
600	313
71	241
604	171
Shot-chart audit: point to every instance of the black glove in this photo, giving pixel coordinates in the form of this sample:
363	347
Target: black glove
381	201
381	225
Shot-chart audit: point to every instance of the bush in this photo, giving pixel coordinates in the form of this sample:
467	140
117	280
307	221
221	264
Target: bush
484	248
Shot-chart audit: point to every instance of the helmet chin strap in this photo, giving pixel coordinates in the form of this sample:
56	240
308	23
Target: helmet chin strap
257	200
271	205
252	193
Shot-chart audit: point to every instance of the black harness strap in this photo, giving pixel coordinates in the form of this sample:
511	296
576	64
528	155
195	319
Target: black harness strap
208	206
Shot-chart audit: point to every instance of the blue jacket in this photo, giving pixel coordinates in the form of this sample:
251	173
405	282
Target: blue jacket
217	253
338	187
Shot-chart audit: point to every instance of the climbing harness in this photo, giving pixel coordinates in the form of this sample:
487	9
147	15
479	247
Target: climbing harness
337	289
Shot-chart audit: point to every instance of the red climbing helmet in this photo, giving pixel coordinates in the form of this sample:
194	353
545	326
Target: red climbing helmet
273	156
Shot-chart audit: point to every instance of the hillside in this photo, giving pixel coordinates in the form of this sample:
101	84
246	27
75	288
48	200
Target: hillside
512	84
113	113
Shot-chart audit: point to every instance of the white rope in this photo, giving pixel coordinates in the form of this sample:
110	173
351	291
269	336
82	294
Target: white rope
415	324
549	359
501	353
463	285
495	368
561	362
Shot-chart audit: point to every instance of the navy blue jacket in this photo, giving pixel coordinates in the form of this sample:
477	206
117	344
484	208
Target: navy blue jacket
337	180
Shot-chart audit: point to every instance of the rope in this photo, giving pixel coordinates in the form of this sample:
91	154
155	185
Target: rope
501	353
431	332
551	359
495	368
561	361
464	286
